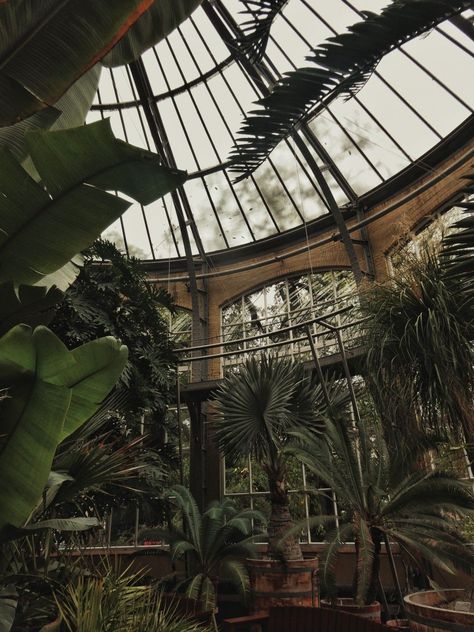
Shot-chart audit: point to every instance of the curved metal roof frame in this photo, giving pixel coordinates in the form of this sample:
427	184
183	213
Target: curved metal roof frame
259	215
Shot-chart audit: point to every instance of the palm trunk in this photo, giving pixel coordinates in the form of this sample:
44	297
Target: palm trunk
279	523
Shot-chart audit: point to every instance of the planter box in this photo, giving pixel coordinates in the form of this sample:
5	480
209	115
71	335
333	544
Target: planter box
371	612
425	614
274	584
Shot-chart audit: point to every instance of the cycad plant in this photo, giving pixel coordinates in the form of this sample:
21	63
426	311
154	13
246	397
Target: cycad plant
214	543
259	409
382	503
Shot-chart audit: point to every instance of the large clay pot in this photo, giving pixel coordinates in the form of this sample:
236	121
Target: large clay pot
372	611
425	615
273	583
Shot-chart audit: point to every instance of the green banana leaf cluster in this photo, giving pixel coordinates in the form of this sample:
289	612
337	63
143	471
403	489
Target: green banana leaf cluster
49	390
51	56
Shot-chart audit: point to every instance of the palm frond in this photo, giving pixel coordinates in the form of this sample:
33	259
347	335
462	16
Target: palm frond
338	66
256	30
457	253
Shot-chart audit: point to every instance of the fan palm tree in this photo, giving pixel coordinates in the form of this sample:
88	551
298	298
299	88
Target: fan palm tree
381	502
214	544
420	338
258	410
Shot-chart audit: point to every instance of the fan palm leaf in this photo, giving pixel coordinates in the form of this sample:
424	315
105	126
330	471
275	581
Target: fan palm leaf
267	406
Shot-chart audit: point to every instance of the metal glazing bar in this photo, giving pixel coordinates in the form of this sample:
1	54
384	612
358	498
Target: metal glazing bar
214	148
454	40
124	105
420	66
222	117
125	133
122	227
255	82
142	124
191	148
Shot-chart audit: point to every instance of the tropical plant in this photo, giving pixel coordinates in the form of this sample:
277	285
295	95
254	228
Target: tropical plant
214	544
51	392
380	503
66	40
340	66
114	601
420	339
113	296
258	410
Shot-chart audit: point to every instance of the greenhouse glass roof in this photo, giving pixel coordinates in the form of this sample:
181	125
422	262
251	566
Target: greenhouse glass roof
196	88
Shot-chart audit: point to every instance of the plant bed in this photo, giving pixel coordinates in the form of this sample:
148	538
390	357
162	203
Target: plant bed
274	583
434	611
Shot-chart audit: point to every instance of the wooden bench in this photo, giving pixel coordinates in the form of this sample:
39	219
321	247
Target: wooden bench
297	619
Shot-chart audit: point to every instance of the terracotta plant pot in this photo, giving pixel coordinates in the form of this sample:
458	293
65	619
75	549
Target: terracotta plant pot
398	624
372	611
425	614
273	583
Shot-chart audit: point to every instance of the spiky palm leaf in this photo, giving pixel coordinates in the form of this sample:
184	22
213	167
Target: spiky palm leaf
458	246
418	510
420	337
215	542
339	66
256	29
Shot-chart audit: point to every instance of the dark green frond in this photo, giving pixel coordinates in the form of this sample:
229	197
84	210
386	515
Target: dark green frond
256	29
339	66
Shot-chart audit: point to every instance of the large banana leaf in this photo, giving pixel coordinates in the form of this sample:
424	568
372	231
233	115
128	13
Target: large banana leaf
42	377
40	230
161	18
91	377
31	305
69	111
45	46
8	604
341	65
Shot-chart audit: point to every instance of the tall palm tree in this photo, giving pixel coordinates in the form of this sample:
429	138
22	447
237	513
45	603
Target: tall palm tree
258	409
420	338
214	543
381	502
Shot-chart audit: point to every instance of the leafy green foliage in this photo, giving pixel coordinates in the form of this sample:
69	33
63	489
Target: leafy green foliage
420	337
157	22
263	409
260	406
112	296
51	392
42	229
256	30
340	66
113	601
46	46
418	509
214	543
